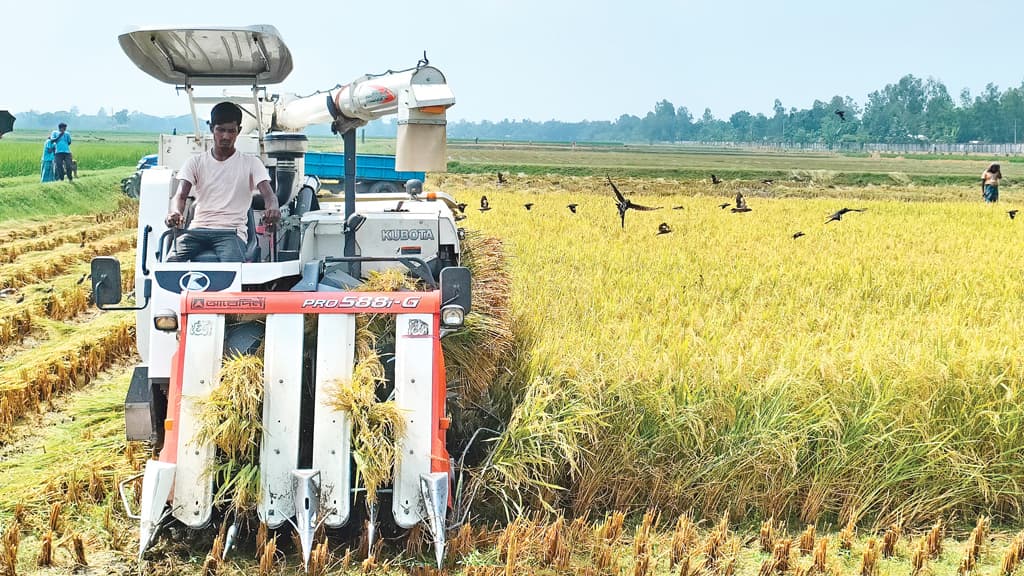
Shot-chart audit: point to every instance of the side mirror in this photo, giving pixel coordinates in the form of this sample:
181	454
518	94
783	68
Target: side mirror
106	281
456	287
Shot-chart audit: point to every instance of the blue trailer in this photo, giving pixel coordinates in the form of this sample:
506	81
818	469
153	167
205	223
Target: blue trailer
375	173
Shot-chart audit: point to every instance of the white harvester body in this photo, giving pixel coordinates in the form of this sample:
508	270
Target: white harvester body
309	265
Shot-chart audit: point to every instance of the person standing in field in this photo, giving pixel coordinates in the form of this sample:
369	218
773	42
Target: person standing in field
222	181
62	155
990	183
47	166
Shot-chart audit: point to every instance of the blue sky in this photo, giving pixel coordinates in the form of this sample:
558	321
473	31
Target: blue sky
534	59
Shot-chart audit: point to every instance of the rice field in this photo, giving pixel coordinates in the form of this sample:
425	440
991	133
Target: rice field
21	158
870	369
722	399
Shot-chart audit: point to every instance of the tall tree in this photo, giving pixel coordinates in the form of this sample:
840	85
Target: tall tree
940	115
660	125
743	125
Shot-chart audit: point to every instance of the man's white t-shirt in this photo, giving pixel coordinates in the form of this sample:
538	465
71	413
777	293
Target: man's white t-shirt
223	189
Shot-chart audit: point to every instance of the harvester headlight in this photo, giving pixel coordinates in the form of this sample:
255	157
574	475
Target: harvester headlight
452	315
166	321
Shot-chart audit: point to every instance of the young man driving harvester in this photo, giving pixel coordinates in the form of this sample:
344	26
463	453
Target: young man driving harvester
221	181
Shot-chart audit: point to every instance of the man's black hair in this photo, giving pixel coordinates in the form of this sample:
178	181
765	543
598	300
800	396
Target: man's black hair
225	112
62	125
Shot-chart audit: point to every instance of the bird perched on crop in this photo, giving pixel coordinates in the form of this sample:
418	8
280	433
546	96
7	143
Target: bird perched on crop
484	204
797	235
1012	213
679	207
741	203
664	228
572	208
623	204
82	279
46	289
501	179
767	181
7	292
839	215
528	205
462	207
725	205
20	299
460	217
715	179
842	115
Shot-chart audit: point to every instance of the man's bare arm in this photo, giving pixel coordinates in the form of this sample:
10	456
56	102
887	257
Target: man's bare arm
271	211
174	217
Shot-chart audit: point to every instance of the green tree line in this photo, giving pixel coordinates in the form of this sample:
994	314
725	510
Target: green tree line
910	110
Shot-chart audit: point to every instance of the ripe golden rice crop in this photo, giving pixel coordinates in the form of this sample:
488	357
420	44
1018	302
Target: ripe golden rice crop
16	230
80	234
849	372
231	417
57	366
377	427
39	266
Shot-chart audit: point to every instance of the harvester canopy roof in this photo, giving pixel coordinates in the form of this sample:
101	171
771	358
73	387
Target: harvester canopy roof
210	56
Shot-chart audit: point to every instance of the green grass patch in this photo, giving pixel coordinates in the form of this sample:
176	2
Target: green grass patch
25	198
23	158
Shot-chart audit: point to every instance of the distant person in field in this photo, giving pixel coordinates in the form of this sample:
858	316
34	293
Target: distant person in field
221	181
47	166
990	183
62	155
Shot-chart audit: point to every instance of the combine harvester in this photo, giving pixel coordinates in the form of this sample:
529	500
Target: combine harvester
309	265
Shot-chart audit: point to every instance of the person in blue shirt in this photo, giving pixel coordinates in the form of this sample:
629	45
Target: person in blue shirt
47	167
62	154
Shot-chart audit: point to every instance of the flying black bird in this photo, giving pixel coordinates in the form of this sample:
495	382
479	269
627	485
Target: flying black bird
767	181
797	235
842	115
724	205
679	207
1012	213
664	228
528	205
82	279
501	179
572	208
462	207
715	179
839	215
623	204
741	203
484	204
